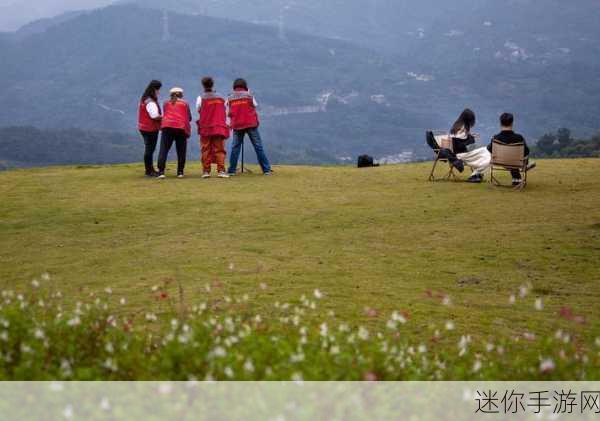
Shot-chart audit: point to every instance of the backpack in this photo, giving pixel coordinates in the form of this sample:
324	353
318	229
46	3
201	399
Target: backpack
366	161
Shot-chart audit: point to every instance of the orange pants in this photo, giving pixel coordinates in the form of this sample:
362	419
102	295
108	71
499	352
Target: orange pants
213	150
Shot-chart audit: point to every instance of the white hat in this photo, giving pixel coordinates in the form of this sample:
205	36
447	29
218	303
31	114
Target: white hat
176	90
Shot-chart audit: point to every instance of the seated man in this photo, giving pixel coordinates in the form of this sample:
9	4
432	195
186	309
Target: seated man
509	137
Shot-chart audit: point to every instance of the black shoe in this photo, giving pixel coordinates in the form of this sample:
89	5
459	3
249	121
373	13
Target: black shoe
475	178
152	174
516	183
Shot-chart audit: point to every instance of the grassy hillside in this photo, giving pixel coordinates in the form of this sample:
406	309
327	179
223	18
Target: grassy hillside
379	238
371	241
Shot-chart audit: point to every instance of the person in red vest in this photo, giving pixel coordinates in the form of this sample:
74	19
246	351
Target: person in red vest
244	120
212	129
176	128
149	121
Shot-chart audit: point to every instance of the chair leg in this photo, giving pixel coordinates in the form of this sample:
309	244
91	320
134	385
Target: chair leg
432	174
493	179
450	173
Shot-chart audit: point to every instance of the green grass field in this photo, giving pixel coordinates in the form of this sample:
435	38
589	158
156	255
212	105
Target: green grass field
372	241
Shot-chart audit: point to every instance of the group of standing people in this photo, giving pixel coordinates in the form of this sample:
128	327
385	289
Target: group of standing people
479	159
217	117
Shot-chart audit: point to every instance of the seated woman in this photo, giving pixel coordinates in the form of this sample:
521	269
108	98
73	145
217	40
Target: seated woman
478	159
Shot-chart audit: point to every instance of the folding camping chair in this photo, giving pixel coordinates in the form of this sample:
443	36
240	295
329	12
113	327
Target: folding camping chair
508	158
439	140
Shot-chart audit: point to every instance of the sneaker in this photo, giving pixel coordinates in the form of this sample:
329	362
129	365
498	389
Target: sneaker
161	176
180	176
268	173
206	175
475	178
516	182
223	175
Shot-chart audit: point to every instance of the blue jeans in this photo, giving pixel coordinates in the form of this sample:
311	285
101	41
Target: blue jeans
236	147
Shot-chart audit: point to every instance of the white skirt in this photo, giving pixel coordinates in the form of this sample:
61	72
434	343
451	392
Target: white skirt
479	159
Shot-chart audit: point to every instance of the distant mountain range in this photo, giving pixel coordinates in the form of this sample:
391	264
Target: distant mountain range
16	13
371	78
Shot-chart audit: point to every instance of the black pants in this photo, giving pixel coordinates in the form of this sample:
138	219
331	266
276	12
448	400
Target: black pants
516	175
168	137
150	140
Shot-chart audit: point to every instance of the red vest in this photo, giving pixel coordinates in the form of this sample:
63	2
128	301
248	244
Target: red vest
213	119
242	111
177	116
145	122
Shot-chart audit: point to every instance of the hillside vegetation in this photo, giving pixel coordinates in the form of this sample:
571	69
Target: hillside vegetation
368	243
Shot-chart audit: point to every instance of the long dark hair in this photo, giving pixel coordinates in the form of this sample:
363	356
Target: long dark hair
466	120
150	91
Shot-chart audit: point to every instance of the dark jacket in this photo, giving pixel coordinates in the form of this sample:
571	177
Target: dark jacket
509	137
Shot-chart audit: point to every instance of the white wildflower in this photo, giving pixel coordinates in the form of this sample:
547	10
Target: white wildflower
75	321
449	325
123	301
263	286
477	366
446	301
39	334
248	366
323	330
297	358
363	333
297	377
523	291
35	283
109	347
539	304
219	352
228	372
397	317
334	350
108	290
422	349
151	317
547	365
45	276
318	294
512	299
110	364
